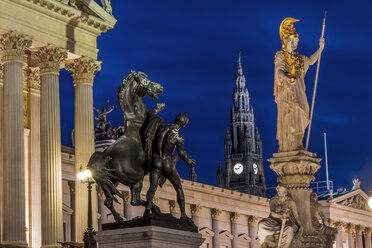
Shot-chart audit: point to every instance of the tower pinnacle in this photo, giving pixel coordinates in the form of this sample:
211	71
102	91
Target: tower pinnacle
240	58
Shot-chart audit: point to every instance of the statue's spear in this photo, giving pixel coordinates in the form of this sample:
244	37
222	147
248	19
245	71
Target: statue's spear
315	85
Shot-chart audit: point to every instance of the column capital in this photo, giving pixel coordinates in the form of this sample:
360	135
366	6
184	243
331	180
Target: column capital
172	206
71	185
100	193
33	78
13	46
195	209
252	220
50	58
155	200
215	212
368	231
126	195
349	227
359	229
83	69
234	216
339	225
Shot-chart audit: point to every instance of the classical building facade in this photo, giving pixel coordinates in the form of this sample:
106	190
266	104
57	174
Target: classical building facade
243	146
37	39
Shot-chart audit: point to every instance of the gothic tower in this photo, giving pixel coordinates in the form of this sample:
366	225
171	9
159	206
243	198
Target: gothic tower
243	147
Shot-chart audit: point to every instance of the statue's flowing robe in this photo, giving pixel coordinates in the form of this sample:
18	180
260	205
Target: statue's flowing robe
293	107
269	228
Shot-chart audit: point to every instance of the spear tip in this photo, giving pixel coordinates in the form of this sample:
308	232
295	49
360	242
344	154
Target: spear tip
325	15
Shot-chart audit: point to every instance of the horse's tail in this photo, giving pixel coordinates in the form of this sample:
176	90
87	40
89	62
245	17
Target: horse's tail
99	166
96	164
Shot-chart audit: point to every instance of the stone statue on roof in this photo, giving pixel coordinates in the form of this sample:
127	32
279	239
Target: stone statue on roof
106	4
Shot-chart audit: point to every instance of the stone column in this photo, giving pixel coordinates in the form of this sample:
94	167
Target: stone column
234	216
33	81
83	70
195	210
1	147
71	185
359	238
128	209
215	227
367	235
339	242
50	59
102	209
14	211
252	223
349	236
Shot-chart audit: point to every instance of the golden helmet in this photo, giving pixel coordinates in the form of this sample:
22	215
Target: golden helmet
286	30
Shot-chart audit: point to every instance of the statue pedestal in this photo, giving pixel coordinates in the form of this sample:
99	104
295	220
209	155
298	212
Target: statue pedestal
295	170
160	231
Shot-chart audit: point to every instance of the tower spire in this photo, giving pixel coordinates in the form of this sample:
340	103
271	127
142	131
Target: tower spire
240	58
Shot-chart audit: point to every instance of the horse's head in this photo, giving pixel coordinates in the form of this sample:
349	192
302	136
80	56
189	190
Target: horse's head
134	87
145	87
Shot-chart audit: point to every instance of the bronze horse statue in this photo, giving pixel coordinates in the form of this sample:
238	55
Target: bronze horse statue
126	161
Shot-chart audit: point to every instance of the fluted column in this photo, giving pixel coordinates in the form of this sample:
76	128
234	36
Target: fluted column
83	70
33	83
367	238
234	216
71	185
128	209
339	242
195	210
252	224
1	147
216	226
349	236
49	59
359	239
14	221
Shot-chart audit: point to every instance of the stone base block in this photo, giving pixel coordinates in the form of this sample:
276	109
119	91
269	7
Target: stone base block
148	237
317	241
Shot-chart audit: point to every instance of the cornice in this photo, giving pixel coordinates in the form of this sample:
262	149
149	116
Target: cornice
63	11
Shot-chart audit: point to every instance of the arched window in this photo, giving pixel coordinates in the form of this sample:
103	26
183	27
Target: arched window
243	105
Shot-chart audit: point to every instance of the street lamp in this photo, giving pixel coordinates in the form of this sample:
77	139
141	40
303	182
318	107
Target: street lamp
89	240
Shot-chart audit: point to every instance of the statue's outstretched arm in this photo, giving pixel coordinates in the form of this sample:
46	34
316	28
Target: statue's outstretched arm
315	56
159	107
183	155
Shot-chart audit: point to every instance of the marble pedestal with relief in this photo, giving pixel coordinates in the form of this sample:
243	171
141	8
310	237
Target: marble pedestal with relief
295	170
157	231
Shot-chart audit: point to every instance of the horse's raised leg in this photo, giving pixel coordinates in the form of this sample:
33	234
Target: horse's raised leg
109	203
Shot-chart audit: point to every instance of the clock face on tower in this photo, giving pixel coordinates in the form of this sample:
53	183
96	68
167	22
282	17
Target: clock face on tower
238	168
255	169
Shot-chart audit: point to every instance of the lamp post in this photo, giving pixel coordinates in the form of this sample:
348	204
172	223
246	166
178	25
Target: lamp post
89	240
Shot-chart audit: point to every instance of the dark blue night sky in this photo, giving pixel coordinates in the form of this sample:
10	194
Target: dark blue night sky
191	48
